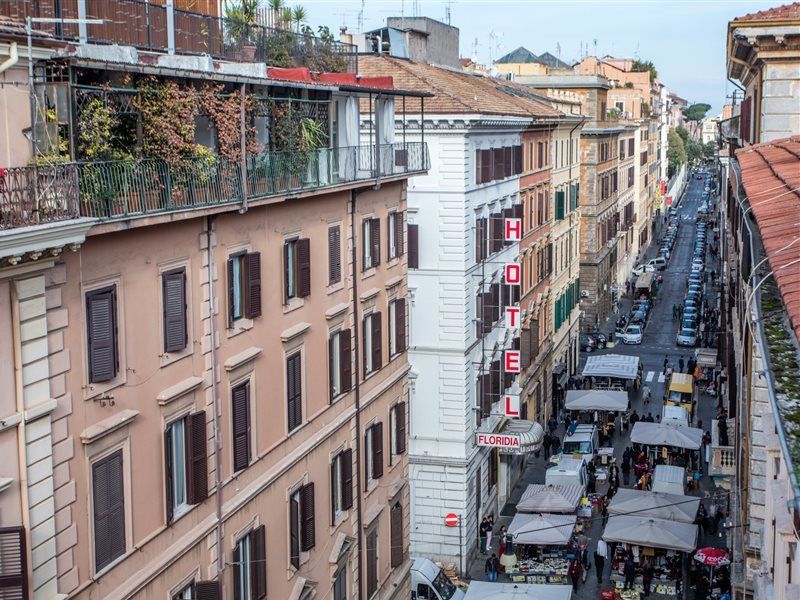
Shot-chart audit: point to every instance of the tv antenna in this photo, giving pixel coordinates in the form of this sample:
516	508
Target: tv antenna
361	17
447	11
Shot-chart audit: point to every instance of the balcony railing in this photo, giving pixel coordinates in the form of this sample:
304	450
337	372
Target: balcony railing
723	458
114	190
146	26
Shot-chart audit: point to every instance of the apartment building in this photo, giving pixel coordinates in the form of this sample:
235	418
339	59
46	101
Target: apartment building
628	190
759	204
204	333
484	142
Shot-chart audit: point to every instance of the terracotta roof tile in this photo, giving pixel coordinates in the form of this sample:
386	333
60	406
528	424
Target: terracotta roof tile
771	178
455	92
787	12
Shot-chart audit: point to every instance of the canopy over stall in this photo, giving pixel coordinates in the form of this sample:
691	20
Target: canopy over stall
658	505
612	365
485	590
681	382
666	434
545	530
706	357
538	498
653	533
596	400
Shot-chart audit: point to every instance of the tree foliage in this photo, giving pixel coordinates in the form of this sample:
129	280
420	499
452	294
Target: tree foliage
684	134
710	149
645	66
694	151
676	155
696	112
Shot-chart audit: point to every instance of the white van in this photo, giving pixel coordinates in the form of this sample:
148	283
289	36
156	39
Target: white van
675	415
659	263
669	479
569	471
584	441
428	582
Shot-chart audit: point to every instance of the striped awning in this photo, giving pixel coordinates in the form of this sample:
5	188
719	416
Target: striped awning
540	498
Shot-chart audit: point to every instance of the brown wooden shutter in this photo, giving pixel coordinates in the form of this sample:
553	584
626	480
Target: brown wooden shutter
495	302
497	379
294	391
375	235
304	267
307	512
480	236
101	307
377	343
288	269
372	562
252	294
496	234
486	394
347	478
534	339
240	415
231	285
487	160
400	324
13	564
478	173
400	427
525	348
345	360
396	535
174	305
413	246
258	562
334	254
509	161
237	572
197	457
487	312
206	590
294	534
377	450
399	228
108	496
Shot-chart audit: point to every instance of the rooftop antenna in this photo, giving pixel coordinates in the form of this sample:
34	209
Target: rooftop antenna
558	50
475	45
361	17
447	11
594	45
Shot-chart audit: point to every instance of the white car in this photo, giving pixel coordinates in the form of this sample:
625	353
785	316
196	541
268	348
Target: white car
632	335
643	269
697	265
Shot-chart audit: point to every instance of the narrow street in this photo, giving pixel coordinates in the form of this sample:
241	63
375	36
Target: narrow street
658	343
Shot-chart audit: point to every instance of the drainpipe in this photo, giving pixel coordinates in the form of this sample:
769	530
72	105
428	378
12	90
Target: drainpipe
215	408
13	58
378	99
243	149
357	389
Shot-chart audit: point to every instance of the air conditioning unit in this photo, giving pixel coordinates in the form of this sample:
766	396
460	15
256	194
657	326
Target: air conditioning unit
584	293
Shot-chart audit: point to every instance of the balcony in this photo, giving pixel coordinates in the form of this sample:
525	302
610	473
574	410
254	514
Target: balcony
723	458
123	189
158	27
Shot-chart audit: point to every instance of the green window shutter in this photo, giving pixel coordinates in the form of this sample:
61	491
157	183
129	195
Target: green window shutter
559	205
577	195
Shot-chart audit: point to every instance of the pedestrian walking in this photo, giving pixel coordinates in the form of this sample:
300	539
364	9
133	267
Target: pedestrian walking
647	576
674	312
666	363
680	364
574	574
599	564
482	531
604	512
630	573
649	418
627	457
719	514
489	529
646	394
491	567
634	418
552	424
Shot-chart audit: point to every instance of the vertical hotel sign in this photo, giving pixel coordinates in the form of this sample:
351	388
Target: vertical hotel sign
512	272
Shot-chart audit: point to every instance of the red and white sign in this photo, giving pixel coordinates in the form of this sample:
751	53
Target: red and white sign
512	317
451	519
668	200
497	440
511	406
513	274
511	361
512	230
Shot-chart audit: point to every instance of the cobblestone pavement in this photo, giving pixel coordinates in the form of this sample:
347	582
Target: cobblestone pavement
658	342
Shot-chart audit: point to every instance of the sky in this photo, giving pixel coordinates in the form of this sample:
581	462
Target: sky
685	39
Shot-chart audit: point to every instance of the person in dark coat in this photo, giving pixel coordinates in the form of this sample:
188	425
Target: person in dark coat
630	573
647	576
634	418
680	364
552	424
491	567
599	565
575	573
546	445
627	456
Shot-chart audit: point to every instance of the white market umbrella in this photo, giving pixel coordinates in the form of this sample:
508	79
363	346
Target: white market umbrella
539	498
666	434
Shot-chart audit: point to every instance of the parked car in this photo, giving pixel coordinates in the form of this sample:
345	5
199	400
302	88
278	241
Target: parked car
697	265
691	315
648	268
695	288
632	335
638	317
687	335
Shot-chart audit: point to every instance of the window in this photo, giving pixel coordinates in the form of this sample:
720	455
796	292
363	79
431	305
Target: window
101	322
250	566
631	143
185	593
108	503
395	234
240	416
397	327
372	562
296	268
396	535
481	249
339	362
373	456
173	298
398	430
301	522
621	149
294	391
373	357
371	245
244	286
341	484
186	463
340	585
539	155
492	467
334	254
413	246
14	578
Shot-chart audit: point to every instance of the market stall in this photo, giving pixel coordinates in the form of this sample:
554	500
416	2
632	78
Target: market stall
662	542
667	434
485	590
543	545
608	400
619	366
539	498
658	505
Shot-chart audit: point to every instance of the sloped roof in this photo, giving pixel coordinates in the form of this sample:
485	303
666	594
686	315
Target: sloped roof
520	55
552	61
771	178
787	12
455	92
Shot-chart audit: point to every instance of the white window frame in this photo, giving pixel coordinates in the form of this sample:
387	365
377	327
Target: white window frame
237	310
179	509
392	242
368	341
337	485
392	328
245	589
295	495
369	458
366	231
291	268
335	364
393	433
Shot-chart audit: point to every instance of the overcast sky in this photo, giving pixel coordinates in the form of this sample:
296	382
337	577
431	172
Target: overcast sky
684	38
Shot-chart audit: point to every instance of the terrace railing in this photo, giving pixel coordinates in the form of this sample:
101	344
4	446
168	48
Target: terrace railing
123	189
